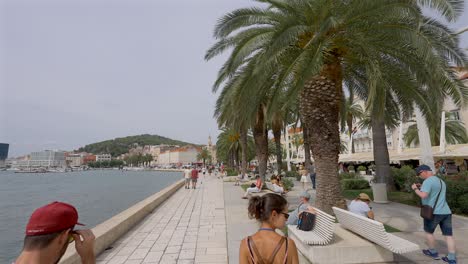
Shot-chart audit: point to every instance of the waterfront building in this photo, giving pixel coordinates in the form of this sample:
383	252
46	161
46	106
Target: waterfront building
46	158
3	153
103	157
75	159
89	158
181	155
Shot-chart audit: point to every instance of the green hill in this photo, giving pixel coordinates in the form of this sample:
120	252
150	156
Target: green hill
120	146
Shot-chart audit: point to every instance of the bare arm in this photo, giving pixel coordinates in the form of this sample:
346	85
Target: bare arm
370	214
419	193
244	255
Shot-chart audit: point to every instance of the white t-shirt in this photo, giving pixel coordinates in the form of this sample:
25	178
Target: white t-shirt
359	207
187	173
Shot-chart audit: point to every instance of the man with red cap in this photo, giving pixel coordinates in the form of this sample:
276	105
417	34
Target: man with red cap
48	233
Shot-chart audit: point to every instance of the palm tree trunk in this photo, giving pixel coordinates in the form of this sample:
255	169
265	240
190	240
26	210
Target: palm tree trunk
306	134
243	143
261	142
276	127
319	105
381	156
349	122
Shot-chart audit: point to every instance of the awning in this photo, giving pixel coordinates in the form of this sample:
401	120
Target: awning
451	151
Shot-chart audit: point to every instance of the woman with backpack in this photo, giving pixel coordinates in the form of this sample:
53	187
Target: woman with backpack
267	246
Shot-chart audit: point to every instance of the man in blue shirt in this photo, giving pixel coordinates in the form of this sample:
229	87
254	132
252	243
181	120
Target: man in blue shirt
428	192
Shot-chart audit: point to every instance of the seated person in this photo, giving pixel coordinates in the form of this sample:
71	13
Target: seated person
277	186
303	206
255	189
360	206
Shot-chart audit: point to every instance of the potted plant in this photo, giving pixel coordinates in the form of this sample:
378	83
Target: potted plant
351	169
362	170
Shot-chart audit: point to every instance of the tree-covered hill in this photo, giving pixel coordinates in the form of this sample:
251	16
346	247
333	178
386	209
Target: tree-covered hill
120	146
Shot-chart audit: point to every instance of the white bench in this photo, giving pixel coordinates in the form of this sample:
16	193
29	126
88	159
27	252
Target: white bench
322	233
373	231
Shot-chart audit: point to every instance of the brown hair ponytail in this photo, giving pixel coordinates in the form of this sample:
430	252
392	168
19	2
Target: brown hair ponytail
260	207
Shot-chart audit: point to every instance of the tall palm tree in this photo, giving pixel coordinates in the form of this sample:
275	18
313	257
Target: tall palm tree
350	113
308	47
204	155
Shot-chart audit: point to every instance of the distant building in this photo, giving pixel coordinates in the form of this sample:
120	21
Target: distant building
182	155
75	159
46	158
89	158
3	153
212	150
103	157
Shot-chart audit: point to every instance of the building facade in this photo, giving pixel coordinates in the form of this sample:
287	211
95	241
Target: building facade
3	153
103	157
181	155
45	159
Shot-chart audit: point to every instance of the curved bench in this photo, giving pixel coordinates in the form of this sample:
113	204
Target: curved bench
322	234
374	231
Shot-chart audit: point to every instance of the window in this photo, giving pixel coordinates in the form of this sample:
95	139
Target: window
453	115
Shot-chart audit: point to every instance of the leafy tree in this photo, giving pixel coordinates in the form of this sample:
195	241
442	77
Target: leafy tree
204	155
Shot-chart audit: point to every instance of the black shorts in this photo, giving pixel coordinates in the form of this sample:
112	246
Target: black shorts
445	222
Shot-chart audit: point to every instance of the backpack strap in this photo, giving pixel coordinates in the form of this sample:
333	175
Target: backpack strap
438	194
255	250
277	248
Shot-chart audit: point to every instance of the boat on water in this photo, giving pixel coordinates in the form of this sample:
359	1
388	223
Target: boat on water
36	170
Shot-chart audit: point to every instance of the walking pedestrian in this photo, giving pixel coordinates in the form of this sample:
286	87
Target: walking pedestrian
266	246
305	178
433	193
188	177
312	175
194	176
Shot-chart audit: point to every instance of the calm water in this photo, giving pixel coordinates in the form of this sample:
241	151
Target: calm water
98	195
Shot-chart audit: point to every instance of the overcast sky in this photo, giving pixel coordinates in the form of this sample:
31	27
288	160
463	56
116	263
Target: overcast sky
74	72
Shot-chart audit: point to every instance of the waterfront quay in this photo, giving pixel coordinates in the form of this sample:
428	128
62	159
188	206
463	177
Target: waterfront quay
189	227
206	225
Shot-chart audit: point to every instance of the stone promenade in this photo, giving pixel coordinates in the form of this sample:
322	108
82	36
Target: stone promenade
190	227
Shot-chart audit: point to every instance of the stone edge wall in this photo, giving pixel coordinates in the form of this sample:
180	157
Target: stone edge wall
112	229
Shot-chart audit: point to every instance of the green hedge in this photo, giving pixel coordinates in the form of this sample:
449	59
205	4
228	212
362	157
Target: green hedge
288	184
457	197
404	178
293	174
354	184
347	175
232	172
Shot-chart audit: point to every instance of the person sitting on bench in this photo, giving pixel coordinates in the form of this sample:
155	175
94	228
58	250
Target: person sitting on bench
303	206
255	188
360	206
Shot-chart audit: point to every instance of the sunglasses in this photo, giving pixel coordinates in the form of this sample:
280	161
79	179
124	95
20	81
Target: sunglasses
285	215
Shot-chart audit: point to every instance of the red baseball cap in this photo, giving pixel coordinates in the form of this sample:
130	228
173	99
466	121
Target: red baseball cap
51	218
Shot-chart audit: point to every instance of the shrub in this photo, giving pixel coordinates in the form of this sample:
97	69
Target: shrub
350	168
404	178
232	172
361	168
287	184
463	203
455	189
293	174
347	175
372	167
354	184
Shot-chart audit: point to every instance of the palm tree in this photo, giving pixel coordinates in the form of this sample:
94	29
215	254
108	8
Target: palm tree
227	145
204	155
455	132
350	112
308	47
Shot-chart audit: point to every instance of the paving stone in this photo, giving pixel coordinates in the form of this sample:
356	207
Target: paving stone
139	253
153	257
